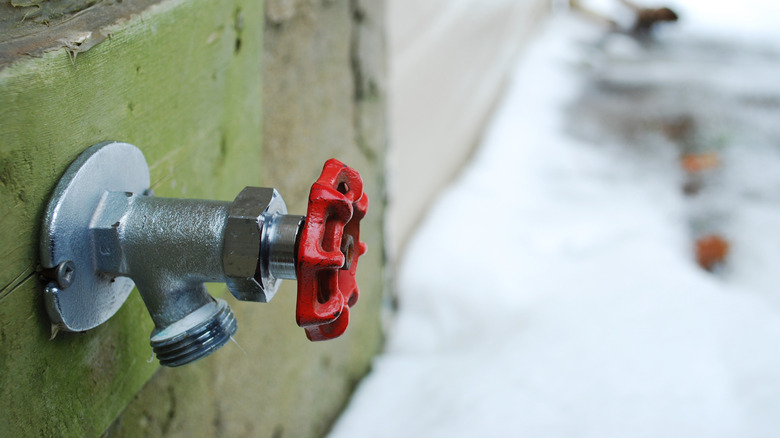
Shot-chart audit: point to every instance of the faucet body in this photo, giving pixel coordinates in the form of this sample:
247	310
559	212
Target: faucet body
169	248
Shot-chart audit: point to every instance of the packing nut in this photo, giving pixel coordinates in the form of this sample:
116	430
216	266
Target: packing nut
252	211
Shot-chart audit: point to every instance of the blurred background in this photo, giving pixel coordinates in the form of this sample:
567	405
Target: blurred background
584	209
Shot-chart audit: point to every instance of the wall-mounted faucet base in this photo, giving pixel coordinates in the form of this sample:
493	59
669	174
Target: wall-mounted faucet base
79	298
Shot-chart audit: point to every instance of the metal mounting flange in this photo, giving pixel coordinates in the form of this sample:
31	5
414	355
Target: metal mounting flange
80	298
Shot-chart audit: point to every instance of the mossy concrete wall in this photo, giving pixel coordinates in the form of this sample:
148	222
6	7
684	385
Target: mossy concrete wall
218	95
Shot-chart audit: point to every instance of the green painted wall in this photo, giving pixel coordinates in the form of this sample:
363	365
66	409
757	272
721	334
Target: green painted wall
184	81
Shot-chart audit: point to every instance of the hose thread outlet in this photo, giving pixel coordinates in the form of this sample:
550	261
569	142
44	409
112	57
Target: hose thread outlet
195	336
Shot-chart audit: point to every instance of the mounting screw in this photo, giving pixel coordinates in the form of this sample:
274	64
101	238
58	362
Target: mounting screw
64	274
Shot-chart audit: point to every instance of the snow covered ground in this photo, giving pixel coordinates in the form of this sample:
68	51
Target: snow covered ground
552	291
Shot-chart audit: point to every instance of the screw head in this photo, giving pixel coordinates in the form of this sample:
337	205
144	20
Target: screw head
65	273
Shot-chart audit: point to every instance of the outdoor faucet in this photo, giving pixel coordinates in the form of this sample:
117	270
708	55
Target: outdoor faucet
104	232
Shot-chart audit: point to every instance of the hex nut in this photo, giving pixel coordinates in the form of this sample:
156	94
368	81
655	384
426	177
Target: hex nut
245	277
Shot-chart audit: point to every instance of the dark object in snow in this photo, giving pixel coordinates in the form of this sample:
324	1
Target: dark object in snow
711	251
645	22
682	130
646	19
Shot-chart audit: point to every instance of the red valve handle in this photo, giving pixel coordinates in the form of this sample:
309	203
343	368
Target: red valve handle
328	252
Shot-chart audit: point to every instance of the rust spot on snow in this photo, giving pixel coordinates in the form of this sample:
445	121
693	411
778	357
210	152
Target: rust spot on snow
694	163
711	251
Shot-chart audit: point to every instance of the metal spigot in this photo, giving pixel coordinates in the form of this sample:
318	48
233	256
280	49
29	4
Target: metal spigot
104	232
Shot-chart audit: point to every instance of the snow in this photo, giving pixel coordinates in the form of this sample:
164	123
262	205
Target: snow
552	292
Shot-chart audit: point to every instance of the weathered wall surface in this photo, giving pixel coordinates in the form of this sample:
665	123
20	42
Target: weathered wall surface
318	56
186	81
448	63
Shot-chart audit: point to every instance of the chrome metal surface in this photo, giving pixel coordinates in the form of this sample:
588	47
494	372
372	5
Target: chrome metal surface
169	247
197	335
279	245
252	226
64	273
91	298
